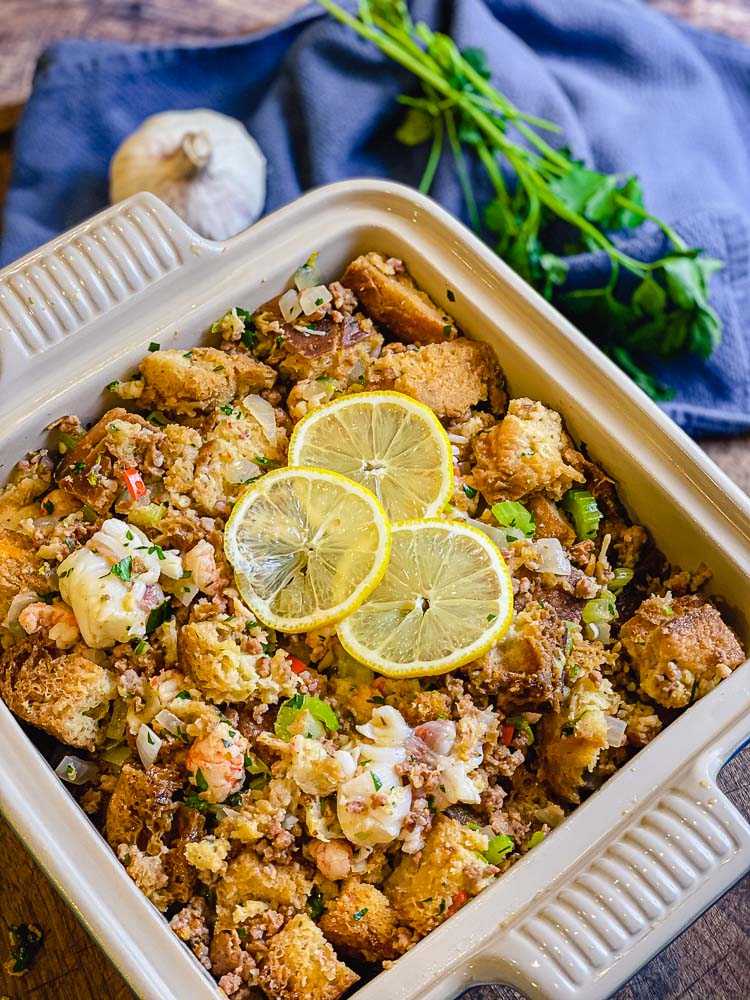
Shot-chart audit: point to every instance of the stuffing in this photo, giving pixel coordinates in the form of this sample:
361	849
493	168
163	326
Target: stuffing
187	829
93	469
65	695
643	722
526	667
449	870
449	377
388	293
335	342
527	452
228	664
573	739
208	855
681	648
142	807
303	814
147	871
235	450
549	520
302	965
20	569
181	446
190	382
361	921
31	478
249	879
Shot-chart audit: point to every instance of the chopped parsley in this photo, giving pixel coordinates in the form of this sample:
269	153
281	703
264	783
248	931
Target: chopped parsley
153	346
194	801
219	368
447	330
157	550
468	490
188	355
451	296
161	613
316	905
113	385
263	462
183	695
431	804
200	781
227	410
122	569
79	466
360	913
376	781
491	618
48	506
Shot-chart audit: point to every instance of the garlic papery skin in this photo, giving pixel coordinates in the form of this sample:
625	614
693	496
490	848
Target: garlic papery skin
204	165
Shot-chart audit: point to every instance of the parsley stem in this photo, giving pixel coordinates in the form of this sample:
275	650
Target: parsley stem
436	150
462	171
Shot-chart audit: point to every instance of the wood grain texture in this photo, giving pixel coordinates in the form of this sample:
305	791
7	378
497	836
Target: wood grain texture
711	960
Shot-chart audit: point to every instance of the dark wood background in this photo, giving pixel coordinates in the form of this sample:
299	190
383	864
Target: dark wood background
711	960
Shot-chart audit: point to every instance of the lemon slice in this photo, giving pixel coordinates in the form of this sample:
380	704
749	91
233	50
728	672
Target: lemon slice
386	441
307	547
446	597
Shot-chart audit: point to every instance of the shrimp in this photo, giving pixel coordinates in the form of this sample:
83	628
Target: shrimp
333	858
57	619
216	763
201	561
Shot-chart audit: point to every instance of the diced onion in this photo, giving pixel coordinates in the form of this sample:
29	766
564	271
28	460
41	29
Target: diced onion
311	299
264	413
148	745
311	332
615	731
307	276
598	630
169	721
457	439
502	537
601	609
116	755
241	470
289	306
17	605
552	557
76	771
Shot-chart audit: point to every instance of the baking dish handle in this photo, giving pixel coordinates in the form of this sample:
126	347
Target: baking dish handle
57	291
676	854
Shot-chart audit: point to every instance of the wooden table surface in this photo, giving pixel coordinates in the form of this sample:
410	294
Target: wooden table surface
711	960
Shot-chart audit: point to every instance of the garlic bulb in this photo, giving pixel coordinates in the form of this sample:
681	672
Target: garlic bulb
204	165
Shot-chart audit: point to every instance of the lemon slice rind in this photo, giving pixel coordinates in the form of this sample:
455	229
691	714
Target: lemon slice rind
307	547
371	634
401	437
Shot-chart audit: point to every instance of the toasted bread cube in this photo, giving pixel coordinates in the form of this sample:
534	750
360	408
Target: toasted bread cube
30	478
19	569
361	922
572	740
336	342
549	520
199	380
249	878
526	669
448	377
426	888
232	440
62	695
682	648
527	452
93	469
388	294
302	965
141	807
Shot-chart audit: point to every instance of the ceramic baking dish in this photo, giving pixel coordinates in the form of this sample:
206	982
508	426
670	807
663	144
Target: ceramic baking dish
648	852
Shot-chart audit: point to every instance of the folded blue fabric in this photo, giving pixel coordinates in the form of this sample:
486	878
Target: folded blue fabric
634	92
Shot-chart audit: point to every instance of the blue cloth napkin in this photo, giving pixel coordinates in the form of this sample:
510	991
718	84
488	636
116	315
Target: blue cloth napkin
634	92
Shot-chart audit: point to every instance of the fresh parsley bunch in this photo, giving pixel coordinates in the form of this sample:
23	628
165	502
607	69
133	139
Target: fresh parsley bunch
547	205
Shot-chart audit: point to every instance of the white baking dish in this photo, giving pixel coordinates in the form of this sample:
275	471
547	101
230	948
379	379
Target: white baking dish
646	854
